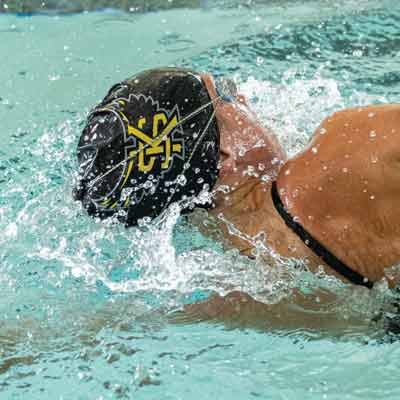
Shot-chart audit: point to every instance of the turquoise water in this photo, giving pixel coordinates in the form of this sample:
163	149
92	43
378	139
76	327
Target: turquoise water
85	305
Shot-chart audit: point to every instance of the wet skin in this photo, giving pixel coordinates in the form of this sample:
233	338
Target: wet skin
344	187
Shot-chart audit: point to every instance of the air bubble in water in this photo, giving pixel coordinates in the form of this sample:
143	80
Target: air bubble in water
259	60
54	77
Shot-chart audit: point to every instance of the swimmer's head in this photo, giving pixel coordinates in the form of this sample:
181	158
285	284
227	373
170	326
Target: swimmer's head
152	141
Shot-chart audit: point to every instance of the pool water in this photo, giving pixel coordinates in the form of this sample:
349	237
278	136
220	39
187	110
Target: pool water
85	311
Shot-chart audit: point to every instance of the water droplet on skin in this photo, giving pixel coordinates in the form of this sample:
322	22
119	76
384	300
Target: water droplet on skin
311	218
266	178
287	172
347	156
261	166
322	131
295	193
324	167
147	184
296	219
275	160
372	135
181	180
320	188
372	197
345	170
374	159
314	150
250	171
371	115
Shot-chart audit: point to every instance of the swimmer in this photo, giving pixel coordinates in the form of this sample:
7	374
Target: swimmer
171	135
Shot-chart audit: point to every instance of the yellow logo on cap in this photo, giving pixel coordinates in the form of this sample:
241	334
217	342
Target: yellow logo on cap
160	144
148	140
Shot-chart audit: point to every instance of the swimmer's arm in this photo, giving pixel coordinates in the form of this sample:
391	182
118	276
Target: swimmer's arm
298	311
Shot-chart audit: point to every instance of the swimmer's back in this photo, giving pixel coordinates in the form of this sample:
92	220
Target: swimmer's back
351	187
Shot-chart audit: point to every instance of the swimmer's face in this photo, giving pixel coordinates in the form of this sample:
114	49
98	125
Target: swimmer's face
239	130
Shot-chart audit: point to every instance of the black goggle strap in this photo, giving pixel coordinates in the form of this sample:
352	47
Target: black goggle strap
321	251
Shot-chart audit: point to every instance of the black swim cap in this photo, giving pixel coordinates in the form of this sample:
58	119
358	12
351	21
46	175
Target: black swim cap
152	141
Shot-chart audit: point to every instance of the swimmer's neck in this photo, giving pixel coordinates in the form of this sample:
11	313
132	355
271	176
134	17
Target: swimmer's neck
247	215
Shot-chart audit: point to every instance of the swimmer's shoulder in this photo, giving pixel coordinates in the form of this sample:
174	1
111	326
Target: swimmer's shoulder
370	112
